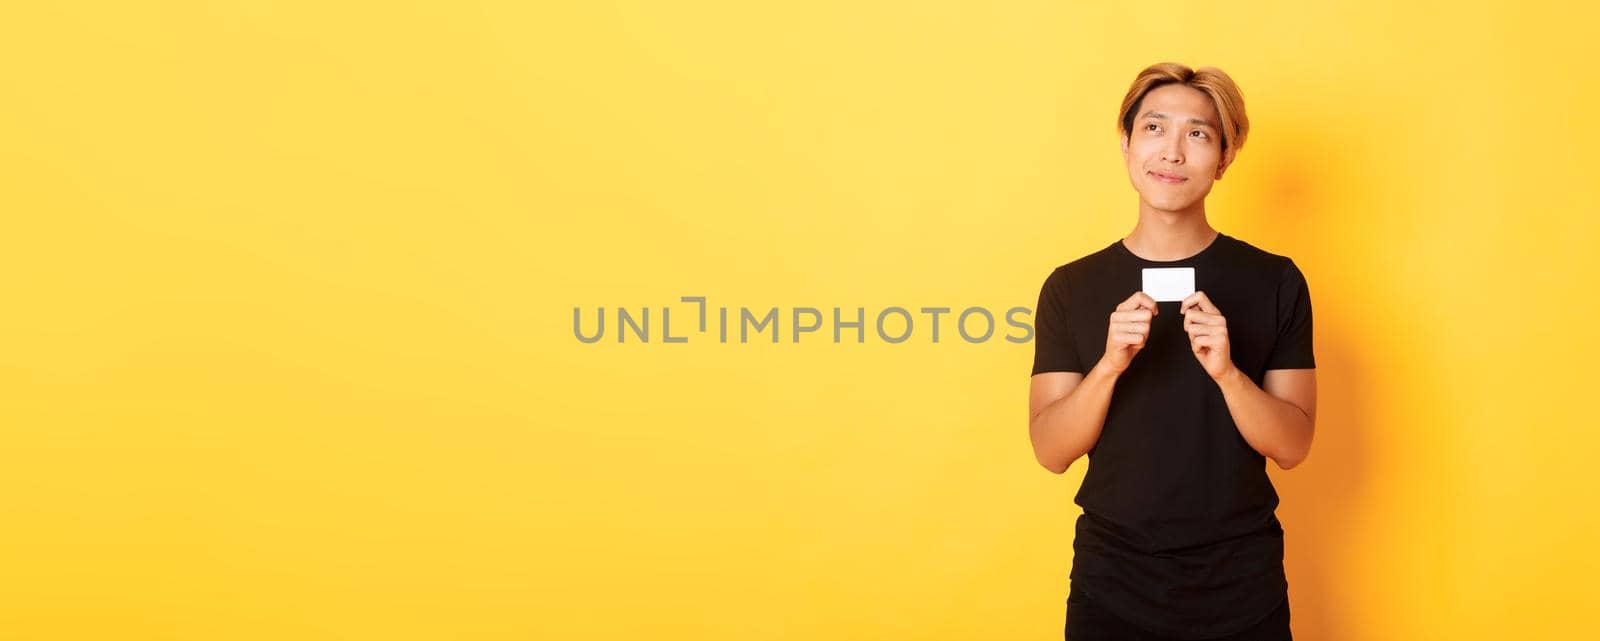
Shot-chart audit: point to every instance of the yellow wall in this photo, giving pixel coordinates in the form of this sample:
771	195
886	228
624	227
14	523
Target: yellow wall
287	335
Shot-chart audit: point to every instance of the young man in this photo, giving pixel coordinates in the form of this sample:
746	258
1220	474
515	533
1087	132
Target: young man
1177	404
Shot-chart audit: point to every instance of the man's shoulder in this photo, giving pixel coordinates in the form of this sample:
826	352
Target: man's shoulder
1093	260
1256	258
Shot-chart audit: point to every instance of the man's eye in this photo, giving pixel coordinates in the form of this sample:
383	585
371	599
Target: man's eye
1151	126
1202	134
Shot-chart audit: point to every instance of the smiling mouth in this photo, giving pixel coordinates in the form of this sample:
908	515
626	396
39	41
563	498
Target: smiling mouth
1167	178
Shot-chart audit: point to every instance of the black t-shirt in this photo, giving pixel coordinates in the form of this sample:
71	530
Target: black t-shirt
1178	531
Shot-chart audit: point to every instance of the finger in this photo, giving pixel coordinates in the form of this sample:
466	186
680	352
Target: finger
1139	300
1207	330
1189	305
1123	338
1133	328
1145	300
1195	316
1132	302
1201	301
1131	315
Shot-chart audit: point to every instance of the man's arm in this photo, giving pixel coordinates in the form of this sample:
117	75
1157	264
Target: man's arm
1066	411
1277	421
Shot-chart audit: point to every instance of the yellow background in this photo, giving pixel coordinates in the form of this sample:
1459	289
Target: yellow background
287	345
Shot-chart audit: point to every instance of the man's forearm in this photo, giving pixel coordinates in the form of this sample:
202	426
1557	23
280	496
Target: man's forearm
1276	428
1070	426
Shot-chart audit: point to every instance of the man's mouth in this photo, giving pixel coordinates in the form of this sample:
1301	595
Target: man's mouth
1167	177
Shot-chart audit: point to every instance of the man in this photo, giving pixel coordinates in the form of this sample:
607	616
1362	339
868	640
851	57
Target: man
1177	403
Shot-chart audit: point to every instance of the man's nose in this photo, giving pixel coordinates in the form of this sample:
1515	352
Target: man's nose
1172	152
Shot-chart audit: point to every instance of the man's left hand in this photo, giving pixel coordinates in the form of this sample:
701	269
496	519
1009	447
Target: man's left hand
1208	334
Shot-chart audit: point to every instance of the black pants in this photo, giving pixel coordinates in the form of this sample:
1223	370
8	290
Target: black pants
1087	621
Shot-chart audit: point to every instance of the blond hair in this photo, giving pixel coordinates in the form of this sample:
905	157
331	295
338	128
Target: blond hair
1211	80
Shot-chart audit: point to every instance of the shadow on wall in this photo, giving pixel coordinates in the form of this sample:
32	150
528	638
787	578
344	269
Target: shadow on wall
1322	498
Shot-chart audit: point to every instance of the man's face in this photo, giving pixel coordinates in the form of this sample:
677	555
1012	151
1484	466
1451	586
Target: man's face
1174	151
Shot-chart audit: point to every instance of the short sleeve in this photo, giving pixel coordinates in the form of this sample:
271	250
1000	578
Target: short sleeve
1292	348
1053	346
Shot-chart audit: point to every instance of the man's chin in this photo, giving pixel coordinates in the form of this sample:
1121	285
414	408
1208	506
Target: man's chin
1169	204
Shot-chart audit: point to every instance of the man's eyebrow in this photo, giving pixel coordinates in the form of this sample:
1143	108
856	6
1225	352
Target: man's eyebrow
1193	121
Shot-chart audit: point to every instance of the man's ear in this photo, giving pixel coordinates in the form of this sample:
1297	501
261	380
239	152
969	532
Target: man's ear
1227	159
1124	147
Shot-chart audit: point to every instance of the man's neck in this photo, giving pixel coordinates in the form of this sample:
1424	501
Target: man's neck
1170	235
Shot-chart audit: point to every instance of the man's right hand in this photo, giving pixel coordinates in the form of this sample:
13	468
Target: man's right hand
1128	330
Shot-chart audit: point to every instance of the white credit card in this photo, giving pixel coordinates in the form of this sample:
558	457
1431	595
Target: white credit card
1168	283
